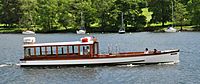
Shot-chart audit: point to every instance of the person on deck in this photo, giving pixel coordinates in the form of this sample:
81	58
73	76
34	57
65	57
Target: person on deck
146	51
155	51
87	50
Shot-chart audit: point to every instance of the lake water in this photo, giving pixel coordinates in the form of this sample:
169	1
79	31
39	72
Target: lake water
185	72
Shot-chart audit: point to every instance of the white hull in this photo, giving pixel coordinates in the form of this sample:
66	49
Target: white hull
28	33
81	32
170	30
161	58
121	32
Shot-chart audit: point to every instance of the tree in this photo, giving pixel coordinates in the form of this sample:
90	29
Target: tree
29	13
88	12
103	8
194	9
180	13
47	14
65	17
161	10
10	12
132	10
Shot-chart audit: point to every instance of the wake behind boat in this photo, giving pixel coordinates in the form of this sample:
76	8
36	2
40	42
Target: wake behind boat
86	52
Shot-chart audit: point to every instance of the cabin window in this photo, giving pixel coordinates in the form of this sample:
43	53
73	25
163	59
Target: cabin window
53	50
96	48
70	49
43	51
84	50
37	51
27	52
48	51
75	49
32	51
62	50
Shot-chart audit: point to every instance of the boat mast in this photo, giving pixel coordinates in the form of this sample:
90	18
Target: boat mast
122	24
81	19
172	13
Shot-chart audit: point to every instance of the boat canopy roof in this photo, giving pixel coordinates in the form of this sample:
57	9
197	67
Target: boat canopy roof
59	43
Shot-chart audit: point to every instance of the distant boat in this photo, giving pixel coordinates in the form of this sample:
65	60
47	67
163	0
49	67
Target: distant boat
82	30
28	32
122	29
170	29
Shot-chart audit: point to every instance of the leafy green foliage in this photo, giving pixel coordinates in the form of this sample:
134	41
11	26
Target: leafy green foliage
10	12
161	10
105	14
180	14
194	9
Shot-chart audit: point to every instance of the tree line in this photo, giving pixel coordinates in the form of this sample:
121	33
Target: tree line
53	14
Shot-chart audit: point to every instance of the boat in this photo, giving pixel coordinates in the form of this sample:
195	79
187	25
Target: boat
82	29
28	32
122	29
170	29
86	52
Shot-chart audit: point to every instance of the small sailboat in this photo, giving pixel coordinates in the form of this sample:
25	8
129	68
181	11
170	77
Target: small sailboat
82	29
122	29
171	29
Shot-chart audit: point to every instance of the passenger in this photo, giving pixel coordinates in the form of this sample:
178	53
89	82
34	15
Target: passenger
94	39
146	51
87	50
155	51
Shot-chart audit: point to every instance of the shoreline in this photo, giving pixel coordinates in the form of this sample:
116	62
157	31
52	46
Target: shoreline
98	30
92	32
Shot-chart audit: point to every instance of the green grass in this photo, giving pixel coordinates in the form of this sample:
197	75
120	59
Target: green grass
187	28
11	30
95	25
160	24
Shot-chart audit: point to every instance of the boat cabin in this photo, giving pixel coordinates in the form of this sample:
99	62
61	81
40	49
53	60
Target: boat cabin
78	49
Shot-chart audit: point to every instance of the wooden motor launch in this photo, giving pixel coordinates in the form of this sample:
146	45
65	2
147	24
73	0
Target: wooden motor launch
86	52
